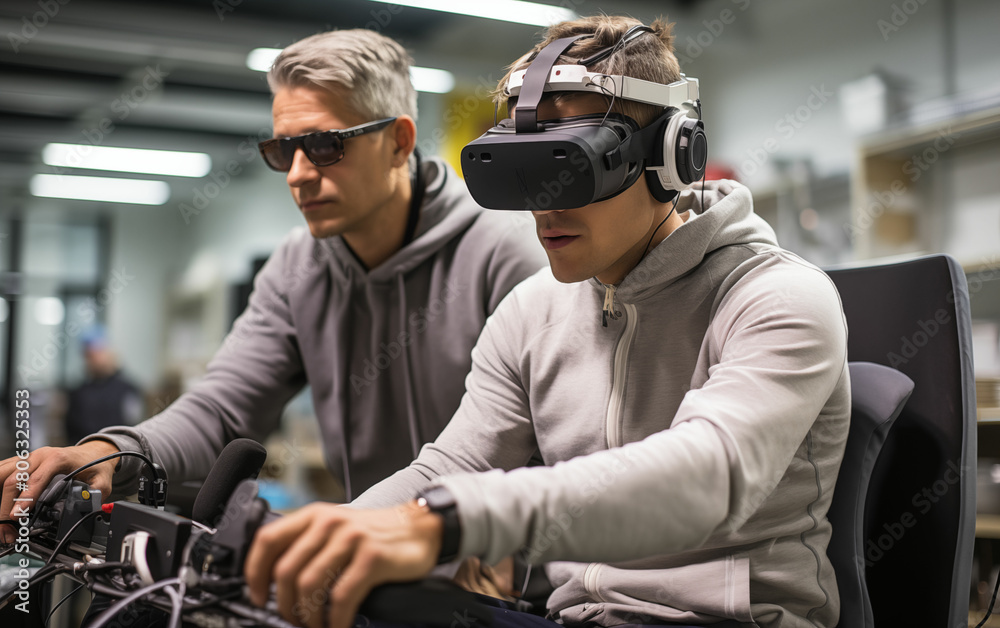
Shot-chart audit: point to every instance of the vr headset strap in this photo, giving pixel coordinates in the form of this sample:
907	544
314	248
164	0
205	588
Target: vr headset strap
641	145
526	112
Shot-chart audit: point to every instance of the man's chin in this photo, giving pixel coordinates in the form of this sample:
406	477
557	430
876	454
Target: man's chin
324	228
569	273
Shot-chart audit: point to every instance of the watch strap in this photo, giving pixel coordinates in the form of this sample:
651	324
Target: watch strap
439	500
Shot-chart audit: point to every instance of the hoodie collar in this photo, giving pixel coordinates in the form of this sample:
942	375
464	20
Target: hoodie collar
725	219
447	210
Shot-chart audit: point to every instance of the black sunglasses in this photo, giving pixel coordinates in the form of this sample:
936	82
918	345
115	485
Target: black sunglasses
323	148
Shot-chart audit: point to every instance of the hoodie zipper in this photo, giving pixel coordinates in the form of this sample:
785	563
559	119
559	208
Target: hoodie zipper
616	404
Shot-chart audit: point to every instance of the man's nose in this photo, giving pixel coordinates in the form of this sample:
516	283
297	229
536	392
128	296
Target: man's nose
302	171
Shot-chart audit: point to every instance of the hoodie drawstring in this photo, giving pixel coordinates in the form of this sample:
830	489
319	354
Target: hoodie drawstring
609	305
411	414
347	323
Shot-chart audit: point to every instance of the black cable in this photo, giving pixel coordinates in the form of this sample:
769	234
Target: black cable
117	454
704	174
46	572
66	537
8	522
989	610
670	213
60	602
614	93
67	480
104	589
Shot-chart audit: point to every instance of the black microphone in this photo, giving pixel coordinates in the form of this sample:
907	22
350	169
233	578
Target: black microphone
242	459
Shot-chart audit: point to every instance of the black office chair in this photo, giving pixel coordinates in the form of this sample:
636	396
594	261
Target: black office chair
878	394
915	523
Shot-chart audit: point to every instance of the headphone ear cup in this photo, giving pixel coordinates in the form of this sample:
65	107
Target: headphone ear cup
653	182
685	152
656	188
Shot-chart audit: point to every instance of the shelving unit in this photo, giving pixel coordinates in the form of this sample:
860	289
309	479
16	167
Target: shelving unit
888	216
904	201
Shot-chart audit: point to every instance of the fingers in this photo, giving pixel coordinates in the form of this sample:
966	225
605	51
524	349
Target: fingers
353	586
7	534
25	480
27	486
328	553
21	488
317	579
8	486
289	571
268	544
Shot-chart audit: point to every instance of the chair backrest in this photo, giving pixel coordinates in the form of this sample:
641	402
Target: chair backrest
920	510
878	394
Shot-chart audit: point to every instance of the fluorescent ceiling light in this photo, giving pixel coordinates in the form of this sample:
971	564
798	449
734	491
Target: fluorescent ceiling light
516	11
134	191
49	311
144	161
261	59
432	80
424	79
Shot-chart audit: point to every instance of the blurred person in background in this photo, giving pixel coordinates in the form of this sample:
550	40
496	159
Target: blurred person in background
107	397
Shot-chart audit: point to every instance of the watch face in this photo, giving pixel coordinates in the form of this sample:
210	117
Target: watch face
438	498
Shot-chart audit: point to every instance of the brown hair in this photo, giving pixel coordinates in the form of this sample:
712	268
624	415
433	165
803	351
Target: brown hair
649	57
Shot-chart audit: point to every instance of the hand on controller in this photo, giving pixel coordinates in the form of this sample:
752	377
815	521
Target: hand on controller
325	558
43	464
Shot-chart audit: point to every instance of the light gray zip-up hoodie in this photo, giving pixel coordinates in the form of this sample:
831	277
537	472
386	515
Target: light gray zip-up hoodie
692	445
385	351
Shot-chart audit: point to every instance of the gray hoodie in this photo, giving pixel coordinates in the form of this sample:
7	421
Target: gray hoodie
385	351
692	444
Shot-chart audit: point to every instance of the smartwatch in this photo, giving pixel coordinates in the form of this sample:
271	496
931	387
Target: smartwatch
439	500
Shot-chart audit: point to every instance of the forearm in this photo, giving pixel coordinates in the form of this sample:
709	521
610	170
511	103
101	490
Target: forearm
397	489
434	462
185	439
566	512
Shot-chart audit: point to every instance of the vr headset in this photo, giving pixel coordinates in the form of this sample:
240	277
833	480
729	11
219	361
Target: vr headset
525	164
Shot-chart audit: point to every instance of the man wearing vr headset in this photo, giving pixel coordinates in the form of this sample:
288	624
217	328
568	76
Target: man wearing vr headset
683	378
377	306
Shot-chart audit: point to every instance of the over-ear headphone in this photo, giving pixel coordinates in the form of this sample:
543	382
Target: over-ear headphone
684	149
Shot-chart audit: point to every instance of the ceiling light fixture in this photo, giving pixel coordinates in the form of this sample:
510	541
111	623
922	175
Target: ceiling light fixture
141	160
133	191
517	11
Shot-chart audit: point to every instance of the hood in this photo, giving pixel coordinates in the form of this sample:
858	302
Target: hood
725	219
442	216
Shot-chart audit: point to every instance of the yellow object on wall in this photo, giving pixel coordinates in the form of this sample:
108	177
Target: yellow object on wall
467	115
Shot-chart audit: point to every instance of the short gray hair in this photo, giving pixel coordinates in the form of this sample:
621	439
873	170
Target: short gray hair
370	70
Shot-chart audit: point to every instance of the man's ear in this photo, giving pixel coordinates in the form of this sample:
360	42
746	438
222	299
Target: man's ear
404	131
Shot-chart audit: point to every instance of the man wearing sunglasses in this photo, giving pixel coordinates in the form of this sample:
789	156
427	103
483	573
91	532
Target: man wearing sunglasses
376	307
